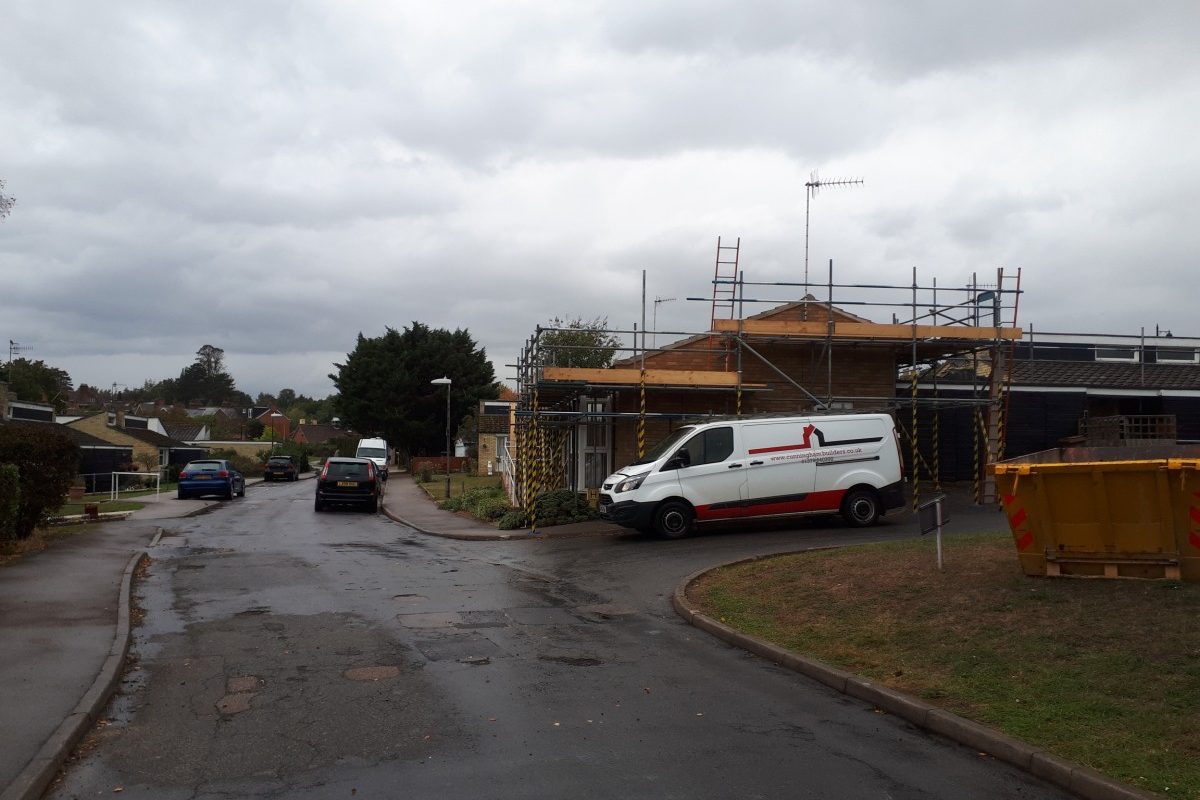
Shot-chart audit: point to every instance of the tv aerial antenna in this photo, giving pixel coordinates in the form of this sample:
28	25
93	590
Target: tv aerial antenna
811	187
15	349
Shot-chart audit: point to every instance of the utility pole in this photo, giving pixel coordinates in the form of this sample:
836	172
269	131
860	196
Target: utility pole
654	323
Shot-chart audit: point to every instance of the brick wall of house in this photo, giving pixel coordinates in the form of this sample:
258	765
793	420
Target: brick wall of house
858	371
487	454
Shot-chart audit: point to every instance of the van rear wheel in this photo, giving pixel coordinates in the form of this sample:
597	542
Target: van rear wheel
673	520
860	508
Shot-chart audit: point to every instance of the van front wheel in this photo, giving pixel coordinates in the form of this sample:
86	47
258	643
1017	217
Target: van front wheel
673	520
860	508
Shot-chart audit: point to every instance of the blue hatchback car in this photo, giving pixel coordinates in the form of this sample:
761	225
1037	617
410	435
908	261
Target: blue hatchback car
208	477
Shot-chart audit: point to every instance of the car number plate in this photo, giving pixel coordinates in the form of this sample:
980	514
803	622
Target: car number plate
347	483
204	477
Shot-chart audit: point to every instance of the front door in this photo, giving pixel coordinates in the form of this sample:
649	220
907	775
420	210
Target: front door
593	444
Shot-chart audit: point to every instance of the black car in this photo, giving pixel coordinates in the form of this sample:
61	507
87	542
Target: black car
281	468
348	480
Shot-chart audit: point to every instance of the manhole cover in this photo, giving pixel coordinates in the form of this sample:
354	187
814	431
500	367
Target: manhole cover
380	673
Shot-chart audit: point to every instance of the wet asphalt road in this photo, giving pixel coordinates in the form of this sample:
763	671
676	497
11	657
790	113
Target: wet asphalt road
290	654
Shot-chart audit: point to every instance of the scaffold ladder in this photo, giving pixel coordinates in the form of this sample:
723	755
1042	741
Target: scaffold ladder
725	277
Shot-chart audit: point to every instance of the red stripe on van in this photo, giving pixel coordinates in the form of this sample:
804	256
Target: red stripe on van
755	451
817	501
710	514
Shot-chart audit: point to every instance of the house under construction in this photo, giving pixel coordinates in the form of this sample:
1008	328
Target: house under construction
824	355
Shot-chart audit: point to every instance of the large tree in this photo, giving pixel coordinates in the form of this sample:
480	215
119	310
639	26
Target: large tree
46	462
205	379
578	343
385	388
36	382
6	202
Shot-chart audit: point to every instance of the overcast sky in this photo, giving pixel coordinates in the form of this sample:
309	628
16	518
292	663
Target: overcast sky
274	177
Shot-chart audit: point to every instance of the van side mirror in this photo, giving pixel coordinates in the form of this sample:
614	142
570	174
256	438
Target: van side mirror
678	461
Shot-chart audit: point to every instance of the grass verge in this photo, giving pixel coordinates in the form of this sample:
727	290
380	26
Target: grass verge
1102	672
436	486
13	549
69	509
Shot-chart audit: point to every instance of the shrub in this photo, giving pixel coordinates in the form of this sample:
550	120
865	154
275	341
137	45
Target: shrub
512	520
558	507
451	504
426	474
47	462
344	445
492	508
171	475
300	452
10	496
247	465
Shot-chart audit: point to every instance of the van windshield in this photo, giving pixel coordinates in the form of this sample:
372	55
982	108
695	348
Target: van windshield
663	447
372	452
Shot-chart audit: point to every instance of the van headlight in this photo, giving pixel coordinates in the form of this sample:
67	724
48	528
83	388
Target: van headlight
629	484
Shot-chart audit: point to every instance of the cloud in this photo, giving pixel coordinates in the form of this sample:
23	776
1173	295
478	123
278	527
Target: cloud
274	178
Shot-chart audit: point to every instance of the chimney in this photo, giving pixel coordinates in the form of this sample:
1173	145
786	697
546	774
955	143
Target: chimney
120	419
4	400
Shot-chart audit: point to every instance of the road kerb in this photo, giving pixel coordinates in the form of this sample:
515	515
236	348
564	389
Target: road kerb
894	702
40	771
1076	778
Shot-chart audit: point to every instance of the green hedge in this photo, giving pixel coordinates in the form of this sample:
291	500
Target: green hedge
47	462
486	503
559	507
10	500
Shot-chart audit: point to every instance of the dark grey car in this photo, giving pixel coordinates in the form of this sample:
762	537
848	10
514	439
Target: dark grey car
351	481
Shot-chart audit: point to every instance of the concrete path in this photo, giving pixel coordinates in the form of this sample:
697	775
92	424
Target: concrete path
409	504
58	620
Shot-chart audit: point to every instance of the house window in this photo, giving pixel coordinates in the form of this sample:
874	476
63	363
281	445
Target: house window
1117	354
1177	355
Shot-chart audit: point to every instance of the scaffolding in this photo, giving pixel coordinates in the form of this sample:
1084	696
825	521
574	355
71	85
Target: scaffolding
931	326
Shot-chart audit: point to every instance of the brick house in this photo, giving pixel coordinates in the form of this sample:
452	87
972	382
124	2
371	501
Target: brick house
798	357
144	442
274	420
698	377
313	433
496	420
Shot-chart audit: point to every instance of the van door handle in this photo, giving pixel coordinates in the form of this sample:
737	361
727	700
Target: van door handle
735	466
756	463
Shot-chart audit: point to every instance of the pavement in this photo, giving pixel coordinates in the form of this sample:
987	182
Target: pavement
65	629
407	503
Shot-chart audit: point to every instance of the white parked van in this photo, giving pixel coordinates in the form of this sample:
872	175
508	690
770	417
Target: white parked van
760	468
377	451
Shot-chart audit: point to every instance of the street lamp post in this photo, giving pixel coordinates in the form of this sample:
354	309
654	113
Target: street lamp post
271	419
446	382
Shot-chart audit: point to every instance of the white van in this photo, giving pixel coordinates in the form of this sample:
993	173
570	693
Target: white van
377	451
760	468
